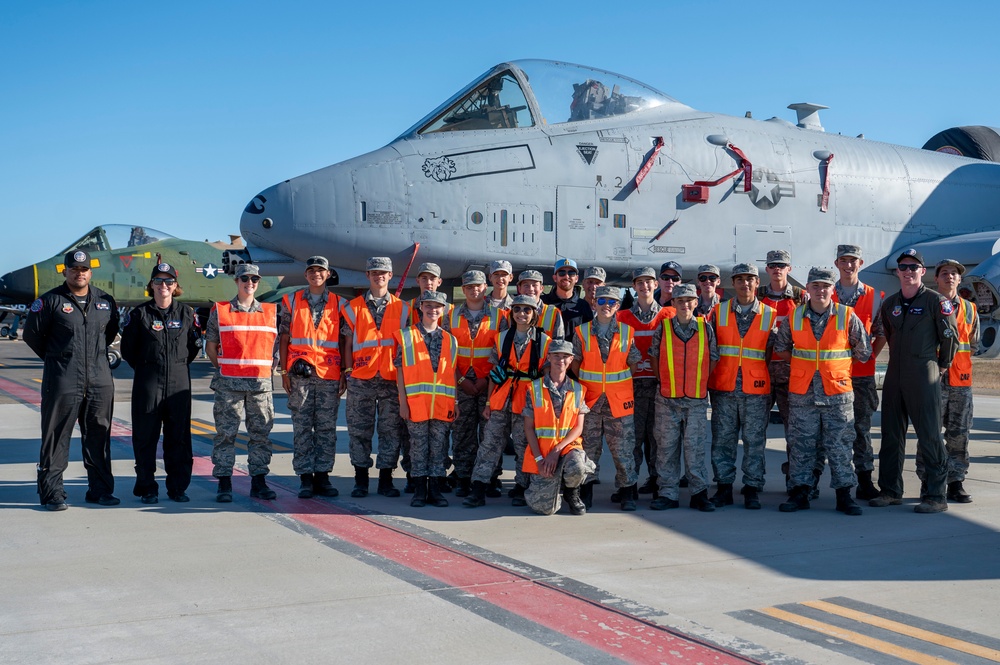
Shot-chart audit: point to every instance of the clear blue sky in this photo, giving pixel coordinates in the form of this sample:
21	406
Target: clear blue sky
174	115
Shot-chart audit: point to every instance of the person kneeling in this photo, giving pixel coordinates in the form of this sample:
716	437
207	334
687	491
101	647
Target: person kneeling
553	425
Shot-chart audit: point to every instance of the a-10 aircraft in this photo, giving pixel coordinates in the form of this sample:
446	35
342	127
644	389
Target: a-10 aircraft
123	257
536	160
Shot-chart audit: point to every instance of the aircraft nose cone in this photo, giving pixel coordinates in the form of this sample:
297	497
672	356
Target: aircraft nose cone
18	286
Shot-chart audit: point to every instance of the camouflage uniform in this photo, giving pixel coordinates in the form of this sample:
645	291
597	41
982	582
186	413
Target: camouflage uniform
736	411
619	432
645	390
428	439
233	396
779	369
313	402
368	399
682	424
817	417
705	307
544	495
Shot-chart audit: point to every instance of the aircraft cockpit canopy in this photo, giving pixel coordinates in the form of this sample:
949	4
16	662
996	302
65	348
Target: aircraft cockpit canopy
118	236
526	93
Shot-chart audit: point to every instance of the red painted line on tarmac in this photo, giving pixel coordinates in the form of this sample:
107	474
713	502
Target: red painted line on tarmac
614	632
21	393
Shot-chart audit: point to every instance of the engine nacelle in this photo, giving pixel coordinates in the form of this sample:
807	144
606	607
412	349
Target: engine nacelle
984	283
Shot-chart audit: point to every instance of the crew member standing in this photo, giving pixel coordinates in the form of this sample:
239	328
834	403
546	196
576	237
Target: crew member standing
923	338
593	277
501	273
70	328
670	276
428	279
708	297
563	296
311	333
240	339
529	283
159	341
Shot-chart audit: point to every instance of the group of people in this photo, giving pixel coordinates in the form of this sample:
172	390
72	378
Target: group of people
554	374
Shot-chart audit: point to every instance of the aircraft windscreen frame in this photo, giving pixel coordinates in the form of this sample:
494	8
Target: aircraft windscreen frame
118	236
496	103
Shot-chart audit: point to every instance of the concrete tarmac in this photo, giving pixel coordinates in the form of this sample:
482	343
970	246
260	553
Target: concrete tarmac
361	580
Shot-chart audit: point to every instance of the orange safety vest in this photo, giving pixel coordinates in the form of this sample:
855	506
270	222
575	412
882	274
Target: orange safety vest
549	429
684	366
613	378
318	346
865	308
246	341
643	334
429	394
520	385
782	307
746	352
830	355
474	352
373	346
960	372
547	318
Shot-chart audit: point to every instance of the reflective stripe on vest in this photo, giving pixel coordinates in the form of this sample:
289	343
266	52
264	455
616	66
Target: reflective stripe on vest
643	336
246	341
522	363
320	347
683	369
549	429
474	351
745	353
613	378
547	319
430	395
373	346
960	372
830	355
865	309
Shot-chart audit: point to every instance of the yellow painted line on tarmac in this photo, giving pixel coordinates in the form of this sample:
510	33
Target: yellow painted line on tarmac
909	631
856	638
37	380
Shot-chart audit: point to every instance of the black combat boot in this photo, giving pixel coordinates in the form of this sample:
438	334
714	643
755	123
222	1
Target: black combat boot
464	488
751	498
306	486
259	488
322	486
616	496
664	503
845	503
434	495
494	489
385	486
517	496
701	502
225	493
444	484
798	499
814	490
866	490
723	495
630	495
360	490
409	487
957	493
419	499
477	497
571	495
649	486
587	495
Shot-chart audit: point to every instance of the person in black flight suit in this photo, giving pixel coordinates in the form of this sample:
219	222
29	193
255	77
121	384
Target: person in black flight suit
159	341
70	328
922	334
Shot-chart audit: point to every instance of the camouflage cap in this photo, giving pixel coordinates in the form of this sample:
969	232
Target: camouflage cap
527	301
530	276
595	272
429	268
435	297
949	262
246	269
685	291
643	272
849	250
473	277
561	346
708	269
911	254
745	269
501	266
779	256
822	275
164	268
76	258
317	261
608	292
383	263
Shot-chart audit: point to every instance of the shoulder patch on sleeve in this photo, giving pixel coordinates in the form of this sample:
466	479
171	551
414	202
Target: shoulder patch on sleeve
37	305
946	307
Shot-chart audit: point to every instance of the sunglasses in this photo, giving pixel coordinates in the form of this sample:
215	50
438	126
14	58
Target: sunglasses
601	302
522	309
564	273
909	267
774	266
707	278
249	278
160	281
670	278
